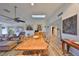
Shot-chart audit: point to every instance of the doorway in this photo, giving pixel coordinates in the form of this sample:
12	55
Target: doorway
56	35
54	31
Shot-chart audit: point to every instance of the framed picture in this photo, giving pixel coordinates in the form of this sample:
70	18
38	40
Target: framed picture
39	27
70	25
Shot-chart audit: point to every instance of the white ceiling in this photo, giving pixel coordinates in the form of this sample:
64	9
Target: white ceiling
25	10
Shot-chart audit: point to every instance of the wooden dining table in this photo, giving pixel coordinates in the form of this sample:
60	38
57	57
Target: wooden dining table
31	43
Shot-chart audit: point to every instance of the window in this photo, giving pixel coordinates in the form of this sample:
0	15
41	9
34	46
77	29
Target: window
4	30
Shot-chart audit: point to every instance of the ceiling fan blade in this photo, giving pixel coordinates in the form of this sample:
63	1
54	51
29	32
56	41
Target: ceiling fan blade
6	17
20	21
15	18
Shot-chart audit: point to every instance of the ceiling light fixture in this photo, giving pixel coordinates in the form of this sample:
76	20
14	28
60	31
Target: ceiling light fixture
32	4
38	16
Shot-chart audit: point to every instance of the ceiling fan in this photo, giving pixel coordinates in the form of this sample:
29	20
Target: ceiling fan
17	19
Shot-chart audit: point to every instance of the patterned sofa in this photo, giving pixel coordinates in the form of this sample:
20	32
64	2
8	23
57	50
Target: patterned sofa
7	45
7	42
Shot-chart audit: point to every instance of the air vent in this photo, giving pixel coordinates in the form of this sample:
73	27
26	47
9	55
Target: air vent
6	10
60	14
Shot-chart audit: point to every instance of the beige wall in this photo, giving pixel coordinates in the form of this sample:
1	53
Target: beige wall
54	20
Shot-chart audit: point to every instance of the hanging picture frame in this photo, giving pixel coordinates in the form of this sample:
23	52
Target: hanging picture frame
70	25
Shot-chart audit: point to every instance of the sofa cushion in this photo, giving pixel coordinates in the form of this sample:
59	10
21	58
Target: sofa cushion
7	43
4	39
0	39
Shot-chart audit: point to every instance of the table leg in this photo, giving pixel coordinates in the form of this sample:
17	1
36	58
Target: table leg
68	48
63	47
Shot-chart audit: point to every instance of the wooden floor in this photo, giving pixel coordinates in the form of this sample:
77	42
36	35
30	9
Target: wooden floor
54	50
